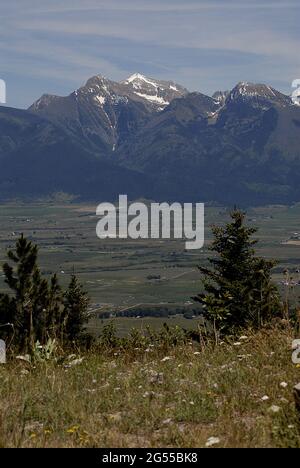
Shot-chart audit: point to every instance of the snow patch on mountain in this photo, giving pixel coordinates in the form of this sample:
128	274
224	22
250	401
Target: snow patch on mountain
100	100
136	77
156	99
157	92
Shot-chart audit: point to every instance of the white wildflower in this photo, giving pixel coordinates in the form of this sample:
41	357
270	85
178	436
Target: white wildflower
25	358
265	398
283	384
212	441
275	409
75	362
166	358
148	394
167	421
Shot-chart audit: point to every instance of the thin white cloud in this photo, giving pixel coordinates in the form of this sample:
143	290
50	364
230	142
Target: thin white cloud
56	6
68	40
199	34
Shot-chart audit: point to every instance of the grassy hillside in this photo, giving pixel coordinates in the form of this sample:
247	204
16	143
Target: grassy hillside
240	393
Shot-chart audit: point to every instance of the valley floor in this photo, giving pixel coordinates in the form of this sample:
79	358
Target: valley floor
240	394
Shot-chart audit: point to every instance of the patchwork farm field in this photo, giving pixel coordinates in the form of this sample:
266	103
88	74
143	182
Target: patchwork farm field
124	274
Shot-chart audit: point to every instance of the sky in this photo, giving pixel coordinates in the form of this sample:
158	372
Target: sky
54	46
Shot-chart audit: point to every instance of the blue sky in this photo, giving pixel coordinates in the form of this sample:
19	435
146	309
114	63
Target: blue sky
54	46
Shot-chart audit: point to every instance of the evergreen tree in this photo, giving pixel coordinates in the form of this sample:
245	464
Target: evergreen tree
38	310
25	308
55	307
238	291
75	313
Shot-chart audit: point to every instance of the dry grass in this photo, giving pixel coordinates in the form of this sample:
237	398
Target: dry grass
140	399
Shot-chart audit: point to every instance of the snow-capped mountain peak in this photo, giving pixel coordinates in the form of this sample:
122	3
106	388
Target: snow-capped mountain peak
158	93
258	93
138	77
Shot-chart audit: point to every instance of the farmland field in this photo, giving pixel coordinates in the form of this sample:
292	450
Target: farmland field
118	273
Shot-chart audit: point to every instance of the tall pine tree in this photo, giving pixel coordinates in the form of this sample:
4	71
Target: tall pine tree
38	310
238	291
24	309
75	313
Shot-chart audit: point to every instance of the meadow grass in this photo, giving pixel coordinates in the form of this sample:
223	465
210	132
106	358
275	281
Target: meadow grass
240	392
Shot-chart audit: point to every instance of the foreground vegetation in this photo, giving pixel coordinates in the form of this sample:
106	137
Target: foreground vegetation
227	383
239	392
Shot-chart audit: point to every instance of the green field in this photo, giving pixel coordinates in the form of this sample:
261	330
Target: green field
115	272
124	325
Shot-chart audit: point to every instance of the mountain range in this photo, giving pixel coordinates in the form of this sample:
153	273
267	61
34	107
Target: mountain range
154	139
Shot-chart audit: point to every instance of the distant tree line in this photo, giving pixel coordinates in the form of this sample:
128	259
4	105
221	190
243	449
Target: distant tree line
156	311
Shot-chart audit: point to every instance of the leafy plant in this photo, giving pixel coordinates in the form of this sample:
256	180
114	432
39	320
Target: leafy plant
42	353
